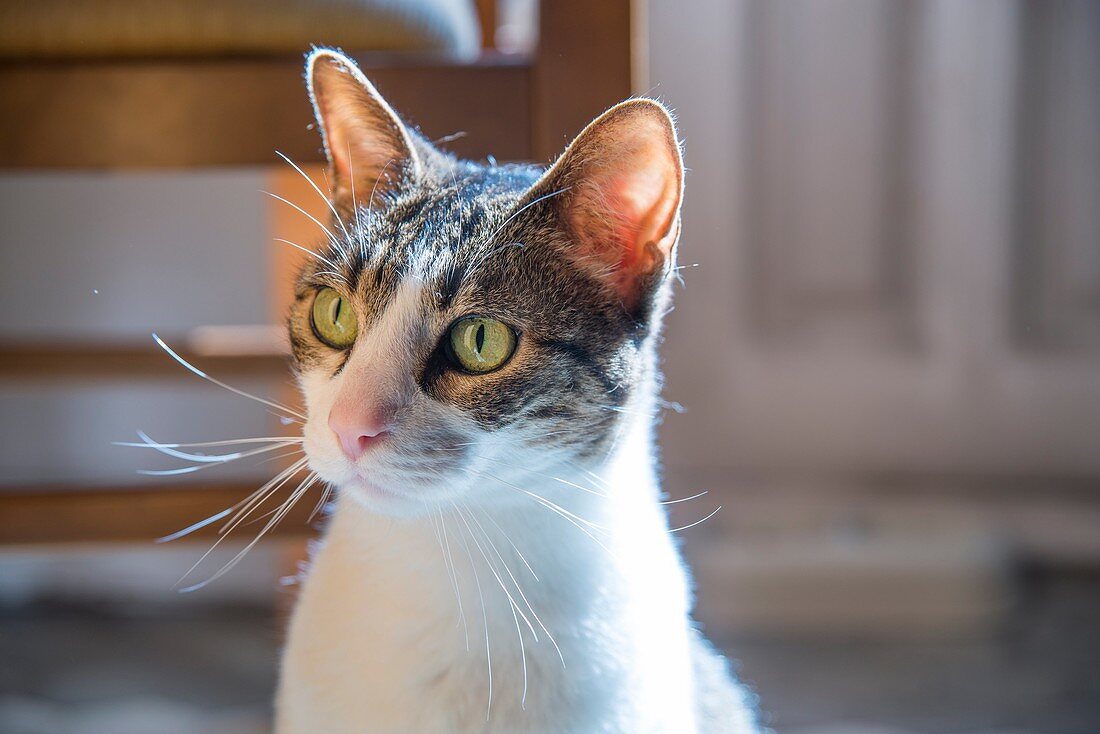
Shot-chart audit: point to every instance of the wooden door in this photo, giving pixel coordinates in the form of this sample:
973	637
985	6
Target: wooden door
892	258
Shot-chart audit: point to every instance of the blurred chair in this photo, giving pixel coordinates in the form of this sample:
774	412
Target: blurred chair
185	84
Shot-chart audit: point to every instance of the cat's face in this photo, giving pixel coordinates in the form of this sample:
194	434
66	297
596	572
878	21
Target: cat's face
468	325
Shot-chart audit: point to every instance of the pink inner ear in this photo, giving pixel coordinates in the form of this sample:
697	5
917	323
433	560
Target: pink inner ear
625	212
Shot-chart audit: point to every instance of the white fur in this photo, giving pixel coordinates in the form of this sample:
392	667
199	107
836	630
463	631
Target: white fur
378	643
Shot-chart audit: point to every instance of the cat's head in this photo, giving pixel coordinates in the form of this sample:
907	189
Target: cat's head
469	323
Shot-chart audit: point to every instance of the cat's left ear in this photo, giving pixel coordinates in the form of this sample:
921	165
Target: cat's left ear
617	191
368	147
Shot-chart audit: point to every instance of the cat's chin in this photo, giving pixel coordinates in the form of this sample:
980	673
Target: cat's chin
380	500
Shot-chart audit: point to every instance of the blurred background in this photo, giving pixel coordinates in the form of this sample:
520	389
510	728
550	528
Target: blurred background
884	362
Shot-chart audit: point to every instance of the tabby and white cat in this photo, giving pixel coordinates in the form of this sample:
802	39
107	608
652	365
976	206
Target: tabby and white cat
477	354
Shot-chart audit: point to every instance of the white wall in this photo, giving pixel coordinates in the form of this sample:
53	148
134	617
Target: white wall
107	256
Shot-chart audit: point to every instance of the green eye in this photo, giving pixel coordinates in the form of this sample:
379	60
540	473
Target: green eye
333	319
480	344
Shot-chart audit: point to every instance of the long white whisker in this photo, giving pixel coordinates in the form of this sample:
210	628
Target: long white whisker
321	502
328	232
203	466
284	455
492	569
513	607
355	208
229	442
266	490
197	526
250	503
319	192
454	572
308	251
447	567
522	209
213	518
172	472
202	458
683	499
540	498
562	512
374	188
484	616
171	353
697	522
566	482
287	506
514	581
516	549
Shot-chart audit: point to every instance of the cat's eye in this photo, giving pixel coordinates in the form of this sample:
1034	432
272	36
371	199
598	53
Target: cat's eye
333	319
480	344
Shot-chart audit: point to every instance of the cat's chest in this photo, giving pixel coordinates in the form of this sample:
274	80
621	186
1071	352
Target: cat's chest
422	647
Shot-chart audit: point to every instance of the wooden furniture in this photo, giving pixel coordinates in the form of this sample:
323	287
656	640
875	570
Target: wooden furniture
155	113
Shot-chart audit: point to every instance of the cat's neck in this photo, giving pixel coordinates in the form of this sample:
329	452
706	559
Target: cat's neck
417	601
566	525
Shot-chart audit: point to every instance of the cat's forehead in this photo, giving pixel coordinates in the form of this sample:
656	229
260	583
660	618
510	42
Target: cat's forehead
421	230
442	234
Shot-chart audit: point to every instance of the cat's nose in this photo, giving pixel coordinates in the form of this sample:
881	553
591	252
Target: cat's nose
358	427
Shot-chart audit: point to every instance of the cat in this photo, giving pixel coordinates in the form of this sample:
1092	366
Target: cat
476	350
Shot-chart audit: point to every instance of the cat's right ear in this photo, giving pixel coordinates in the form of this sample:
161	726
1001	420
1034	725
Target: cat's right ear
369	149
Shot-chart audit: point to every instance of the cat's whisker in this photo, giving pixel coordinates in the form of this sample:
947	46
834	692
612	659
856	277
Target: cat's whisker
566	482
267	514
683	499
449	569
521	210
333	273
519	553
556	509
172	472
697	522
454	574
648	414
540	498
285	419
171	450
512	606
320	193
481	260
196	526
591	474
514	581
308	251
325	494
203	466
382	174
171	353
267	489
548	434
484	616
209	521
355	208
286	455
225	442
331	236
492	568
286	507
249	504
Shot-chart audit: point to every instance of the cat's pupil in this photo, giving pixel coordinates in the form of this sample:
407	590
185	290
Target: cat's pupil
479	338
336	309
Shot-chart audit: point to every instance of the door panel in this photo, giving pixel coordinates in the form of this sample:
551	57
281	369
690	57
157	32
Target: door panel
895	209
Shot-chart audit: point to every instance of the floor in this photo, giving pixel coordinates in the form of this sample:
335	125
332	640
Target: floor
1039	674
67	669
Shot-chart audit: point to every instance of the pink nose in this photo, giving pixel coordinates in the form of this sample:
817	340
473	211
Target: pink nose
358	427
